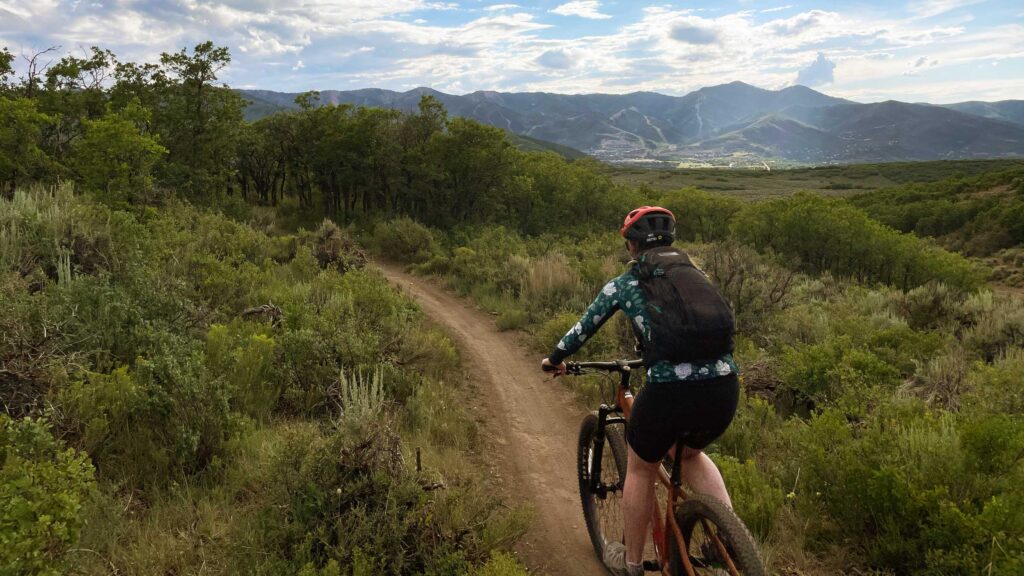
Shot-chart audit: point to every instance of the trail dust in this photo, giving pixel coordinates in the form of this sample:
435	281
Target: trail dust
530	425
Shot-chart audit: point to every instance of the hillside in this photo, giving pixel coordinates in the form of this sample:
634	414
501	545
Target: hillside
843	180
731	123
980	216
1008	110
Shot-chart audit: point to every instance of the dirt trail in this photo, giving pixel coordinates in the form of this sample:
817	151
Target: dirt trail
530	424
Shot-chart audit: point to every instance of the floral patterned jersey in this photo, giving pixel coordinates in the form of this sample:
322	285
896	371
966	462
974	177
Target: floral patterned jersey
624	293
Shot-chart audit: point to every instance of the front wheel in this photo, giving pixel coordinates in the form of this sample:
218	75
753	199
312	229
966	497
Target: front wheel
602	506
699	517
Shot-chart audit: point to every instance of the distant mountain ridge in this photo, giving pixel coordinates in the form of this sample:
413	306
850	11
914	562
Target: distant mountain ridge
719	123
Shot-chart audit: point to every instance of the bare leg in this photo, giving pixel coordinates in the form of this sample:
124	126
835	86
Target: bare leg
638	501
701	474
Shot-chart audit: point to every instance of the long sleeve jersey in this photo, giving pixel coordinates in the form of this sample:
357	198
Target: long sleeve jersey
624	293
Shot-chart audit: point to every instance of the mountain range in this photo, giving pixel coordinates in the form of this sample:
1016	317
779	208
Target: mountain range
733	123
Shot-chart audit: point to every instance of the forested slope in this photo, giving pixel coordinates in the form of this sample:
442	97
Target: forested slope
981	216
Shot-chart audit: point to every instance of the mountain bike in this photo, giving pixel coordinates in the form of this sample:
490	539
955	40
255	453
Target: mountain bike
714	539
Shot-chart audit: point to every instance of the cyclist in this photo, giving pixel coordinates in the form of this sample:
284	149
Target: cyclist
692	400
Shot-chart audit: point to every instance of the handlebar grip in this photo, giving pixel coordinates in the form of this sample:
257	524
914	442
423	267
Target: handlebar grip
549	368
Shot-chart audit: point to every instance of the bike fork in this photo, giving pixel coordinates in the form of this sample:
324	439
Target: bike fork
604	418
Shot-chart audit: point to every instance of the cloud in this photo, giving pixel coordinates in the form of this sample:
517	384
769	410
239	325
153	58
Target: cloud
400	44
13	8
929	8
557	59
801	22
817	73
582	8
921	63
692	33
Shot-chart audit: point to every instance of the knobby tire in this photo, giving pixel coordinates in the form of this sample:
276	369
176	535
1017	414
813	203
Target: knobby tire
613	470
703	554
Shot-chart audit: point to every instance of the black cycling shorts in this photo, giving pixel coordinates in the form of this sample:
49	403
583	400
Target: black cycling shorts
696	411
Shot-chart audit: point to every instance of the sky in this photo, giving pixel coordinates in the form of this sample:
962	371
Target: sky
937	51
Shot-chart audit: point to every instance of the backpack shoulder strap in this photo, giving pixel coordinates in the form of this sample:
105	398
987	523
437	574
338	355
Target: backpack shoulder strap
657	261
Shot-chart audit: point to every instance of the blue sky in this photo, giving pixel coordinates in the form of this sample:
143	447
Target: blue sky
913	50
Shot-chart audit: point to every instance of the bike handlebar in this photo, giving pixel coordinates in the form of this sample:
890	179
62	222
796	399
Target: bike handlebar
576	368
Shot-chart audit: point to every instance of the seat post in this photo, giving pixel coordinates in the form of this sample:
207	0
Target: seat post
677	465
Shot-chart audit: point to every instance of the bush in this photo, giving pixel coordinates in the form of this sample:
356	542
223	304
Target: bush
825	372
830	234
343	496
701	216
550	284
147	426
512	319
43	486
755	286
756	499
335	248
405	240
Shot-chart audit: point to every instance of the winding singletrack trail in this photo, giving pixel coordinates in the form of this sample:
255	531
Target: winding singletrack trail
530	426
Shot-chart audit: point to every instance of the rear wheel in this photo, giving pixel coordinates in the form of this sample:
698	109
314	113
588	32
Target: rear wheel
701	516
602	508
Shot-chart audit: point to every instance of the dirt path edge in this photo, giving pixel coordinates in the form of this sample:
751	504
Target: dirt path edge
530	425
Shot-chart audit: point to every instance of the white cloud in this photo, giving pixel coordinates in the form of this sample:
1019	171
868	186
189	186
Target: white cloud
13	8
582	8
397	44
817	73
694	33
803	22
929	8
557	59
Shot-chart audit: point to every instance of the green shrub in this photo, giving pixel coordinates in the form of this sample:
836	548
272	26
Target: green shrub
149	425
701	216
512	319
405	240
244	359
756	498
830	234
825	372
344	495
996	388
43	486
335	248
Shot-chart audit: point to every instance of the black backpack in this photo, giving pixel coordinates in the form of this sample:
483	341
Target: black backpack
690	320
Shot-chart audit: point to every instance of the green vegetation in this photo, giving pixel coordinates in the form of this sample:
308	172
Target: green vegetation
881	429
198	374
844	180
249	404
829	234
980	216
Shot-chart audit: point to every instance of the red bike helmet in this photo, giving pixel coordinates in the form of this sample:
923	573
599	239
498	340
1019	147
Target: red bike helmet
649	225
